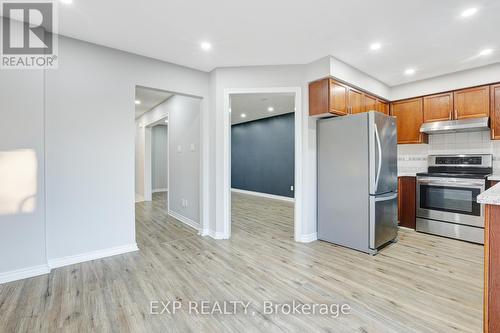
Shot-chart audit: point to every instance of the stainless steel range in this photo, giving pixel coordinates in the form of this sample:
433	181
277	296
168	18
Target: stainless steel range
446	196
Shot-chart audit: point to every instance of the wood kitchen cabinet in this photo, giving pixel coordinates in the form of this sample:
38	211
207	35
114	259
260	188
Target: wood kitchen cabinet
472	102
382	106
438	107
369	103
495	111
409	117
328	97
407	202
355	101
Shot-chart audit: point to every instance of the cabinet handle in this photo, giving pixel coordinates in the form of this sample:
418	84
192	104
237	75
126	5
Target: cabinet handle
456	113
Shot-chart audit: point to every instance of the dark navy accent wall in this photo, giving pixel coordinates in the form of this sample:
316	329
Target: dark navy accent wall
263	155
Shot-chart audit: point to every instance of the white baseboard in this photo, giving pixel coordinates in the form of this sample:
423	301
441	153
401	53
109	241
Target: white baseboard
185	220
215	235
264	195
24	273
160	190
93	255
308	238
139	198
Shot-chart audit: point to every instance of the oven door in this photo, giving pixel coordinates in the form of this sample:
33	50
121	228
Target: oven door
450	200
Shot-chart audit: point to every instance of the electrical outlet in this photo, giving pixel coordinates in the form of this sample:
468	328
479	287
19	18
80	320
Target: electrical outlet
186	203
291	188
192	147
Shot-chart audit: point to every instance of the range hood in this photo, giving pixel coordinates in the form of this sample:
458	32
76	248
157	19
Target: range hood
453	126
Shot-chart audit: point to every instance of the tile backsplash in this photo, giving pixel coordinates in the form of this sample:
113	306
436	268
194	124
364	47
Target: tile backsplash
413	158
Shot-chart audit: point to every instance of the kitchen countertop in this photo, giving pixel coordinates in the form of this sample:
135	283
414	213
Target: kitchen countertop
491	196
494	177
411	174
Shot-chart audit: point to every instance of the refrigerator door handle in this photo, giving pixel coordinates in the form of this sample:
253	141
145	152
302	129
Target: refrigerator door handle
387	197
379	147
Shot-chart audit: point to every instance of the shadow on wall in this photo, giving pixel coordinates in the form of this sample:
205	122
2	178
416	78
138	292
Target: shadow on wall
18	181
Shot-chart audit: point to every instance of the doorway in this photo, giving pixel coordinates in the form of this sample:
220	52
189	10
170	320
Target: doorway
263	155
168	155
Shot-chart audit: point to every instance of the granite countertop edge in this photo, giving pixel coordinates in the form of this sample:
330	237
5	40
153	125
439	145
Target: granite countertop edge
491	196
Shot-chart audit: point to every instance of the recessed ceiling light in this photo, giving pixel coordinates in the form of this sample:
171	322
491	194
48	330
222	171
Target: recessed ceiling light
469	12
206	46
137	102
270	109
67	2
375	46
486	52
410	71
243	115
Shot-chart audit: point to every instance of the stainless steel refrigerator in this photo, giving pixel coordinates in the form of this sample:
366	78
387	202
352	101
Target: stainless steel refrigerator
357	181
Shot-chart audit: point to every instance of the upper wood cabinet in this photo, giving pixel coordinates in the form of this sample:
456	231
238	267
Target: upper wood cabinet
438	107
409	117
327	97
495	111
355	101
369	103
338	98
382	106
472	103
330	97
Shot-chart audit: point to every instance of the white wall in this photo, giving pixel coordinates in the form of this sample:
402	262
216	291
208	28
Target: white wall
355	77
184	126
159	158
458	80
22	186
184	157
90	164
89	150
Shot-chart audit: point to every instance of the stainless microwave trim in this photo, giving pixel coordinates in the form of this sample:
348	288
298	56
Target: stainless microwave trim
486	160
464	219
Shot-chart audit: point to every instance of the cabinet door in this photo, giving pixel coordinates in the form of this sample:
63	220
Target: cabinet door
438	107
409	117
369	103
495	111
382	106
355	101
407	211
338	98
472	103
318	97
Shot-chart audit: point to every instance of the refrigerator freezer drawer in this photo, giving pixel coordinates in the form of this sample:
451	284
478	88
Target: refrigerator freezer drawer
383	219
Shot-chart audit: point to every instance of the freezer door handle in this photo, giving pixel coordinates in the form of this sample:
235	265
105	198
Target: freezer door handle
379	167
387	197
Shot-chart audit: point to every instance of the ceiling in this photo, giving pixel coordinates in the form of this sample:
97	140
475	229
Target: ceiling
429	35
256	106
149	99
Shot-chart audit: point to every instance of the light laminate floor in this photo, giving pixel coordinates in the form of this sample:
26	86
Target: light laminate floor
421	284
